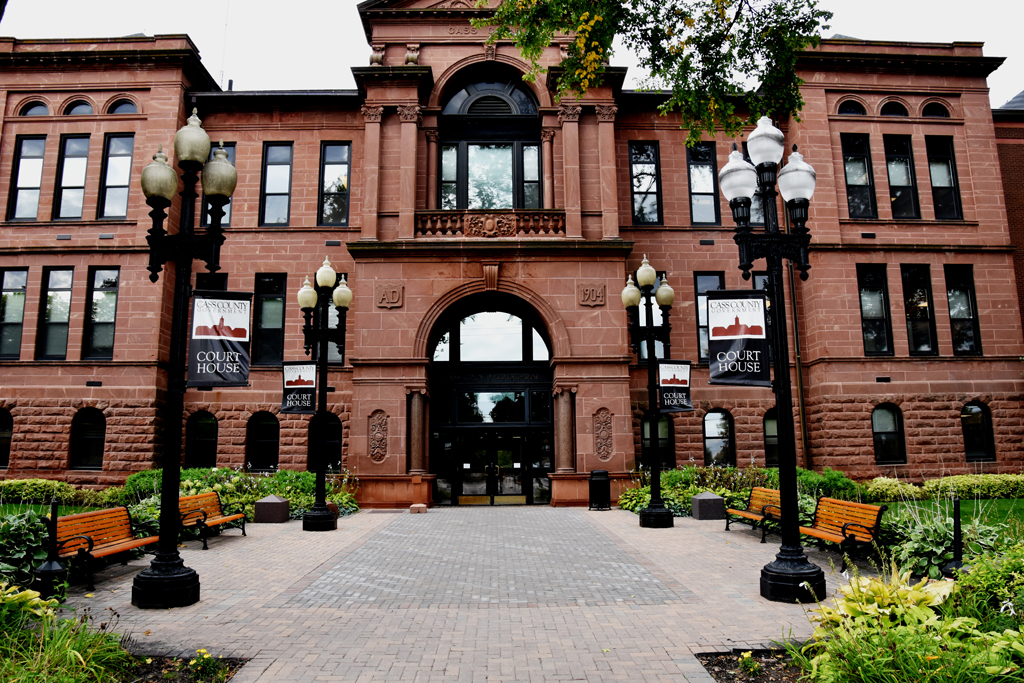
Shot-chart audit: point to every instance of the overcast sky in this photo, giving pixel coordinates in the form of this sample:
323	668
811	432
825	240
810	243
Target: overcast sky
306	44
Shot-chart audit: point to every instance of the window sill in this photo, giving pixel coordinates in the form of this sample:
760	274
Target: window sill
905	222
65	222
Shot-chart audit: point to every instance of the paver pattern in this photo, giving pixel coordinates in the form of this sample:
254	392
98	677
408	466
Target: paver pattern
495	594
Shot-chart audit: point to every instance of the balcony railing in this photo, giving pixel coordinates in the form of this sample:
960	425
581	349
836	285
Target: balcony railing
485	224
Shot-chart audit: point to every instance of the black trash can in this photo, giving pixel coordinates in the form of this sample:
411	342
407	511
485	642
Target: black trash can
600	490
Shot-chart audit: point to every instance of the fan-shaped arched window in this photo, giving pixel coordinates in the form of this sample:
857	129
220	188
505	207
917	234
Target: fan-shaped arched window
323	443
201	440
935	110
492	336
262	442
35	109
719	443
894	109
771	438
6	432
852	108
78	108
887	432
124	107
88	435
979	442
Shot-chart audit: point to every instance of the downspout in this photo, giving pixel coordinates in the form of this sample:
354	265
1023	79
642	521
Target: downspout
801	408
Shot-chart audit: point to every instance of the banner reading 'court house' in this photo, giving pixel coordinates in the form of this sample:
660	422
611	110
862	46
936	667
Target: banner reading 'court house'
299	391
738	338
674	386
218	351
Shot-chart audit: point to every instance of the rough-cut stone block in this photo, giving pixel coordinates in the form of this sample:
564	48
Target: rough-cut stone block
417	508
271	510
708	506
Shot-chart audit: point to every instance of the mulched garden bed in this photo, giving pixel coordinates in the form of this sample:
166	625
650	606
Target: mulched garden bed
173	670
775	667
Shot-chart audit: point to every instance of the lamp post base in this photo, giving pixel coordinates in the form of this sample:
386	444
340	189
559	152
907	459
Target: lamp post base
164	585
49	577
792	578
656	518
319	519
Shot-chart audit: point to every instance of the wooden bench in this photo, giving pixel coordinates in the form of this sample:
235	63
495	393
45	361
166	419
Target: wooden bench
762	504
204	512
850	525
88	536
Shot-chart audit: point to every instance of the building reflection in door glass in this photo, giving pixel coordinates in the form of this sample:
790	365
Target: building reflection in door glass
492	406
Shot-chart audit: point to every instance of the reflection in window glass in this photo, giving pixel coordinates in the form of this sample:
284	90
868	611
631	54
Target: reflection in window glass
116	176
79	109
540	406
643	173
71	188
277	178
887	432
979	442
449	177
491	336
718	450
12	312
35	109
53	332
872	284
540	349
28	178
334	173
99	332
441	352
963	309
492	406
703	200
771	439
490	176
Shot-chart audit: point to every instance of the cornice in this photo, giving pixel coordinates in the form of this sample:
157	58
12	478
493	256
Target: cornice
187	60
429	248
952	65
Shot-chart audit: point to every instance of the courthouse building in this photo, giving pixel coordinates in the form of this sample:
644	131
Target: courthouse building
487	230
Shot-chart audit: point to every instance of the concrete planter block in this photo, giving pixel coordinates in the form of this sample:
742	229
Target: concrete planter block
271	510
708	506
417	508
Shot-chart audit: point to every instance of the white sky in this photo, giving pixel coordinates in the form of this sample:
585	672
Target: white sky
310	44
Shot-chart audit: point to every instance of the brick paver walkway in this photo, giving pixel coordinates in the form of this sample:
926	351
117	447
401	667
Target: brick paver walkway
467	594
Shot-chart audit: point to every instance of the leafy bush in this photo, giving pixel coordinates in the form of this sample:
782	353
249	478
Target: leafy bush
886	489
993	590
22	546
976	486
36	491
141	485
145	516
922	541
829	483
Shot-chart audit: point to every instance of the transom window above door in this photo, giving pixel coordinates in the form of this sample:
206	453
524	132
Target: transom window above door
492	336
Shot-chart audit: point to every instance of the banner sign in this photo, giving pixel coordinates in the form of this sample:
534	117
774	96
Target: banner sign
674	386
299	379
738	338
218	351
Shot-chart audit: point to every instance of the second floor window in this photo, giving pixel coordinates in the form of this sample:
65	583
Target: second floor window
658	321
703	183
902	187
117	171
277	184
702	282
860	190
12	312
490	175
98	342
963	309
52	340
70	194
917	302
334	183
27	178
229	147
268	333
645	182
876	326
942	169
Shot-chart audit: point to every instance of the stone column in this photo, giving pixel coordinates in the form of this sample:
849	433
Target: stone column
565	457
371	170
547	136
569	118
606	154
410	117
417	451
432	137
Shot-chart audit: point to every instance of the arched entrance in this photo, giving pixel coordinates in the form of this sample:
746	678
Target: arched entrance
491	437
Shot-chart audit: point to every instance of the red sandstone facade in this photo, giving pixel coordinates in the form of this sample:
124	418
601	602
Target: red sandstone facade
417	265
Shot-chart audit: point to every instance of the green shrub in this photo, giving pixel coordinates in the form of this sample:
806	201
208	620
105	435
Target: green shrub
829	483
886	489
922	541
22	546
141	485
976	486
992	591
36	491
89	498
114	496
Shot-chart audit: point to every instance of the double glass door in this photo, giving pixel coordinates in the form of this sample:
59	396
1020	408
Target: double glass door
492	469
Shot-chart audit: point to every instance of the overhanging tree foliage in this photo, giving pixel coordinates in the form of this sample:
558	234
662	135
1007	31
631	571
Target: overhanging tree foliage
708	55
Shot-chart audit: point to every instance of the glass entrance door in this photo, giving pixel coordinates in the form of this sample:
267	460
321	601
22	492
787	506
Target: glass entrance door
491	470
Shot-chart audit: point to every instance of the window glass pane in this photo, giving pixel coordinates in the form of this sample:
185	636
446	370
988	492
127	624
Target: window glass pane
540	349
12	307
30	172
771	427
33	147
272	314
442	349
490	176
336	154
856	171
78	147
105	278
876	337
872	303
27	205
963	336
495	406
121	145
124	108
335	208
702	179
942	175
335	177
449	162
645	208
883	420
58	307
959	304
491	336
279	154
118	170
116	203
104	304
531	163
71	203
448	197
899	172
531	196
10	340
645	178
60	279
102	339
540	406
56	340
703	208
276	210
80	109
278	178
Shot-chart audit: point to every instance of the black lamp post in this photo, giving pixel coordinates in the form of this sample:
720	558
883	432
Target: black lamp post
791	577
320	518
168	582
655	515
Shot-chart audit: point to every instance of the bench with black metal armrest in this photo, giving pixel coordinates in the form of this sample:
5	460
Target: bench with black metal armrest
87	537
762	504
850	525
203	513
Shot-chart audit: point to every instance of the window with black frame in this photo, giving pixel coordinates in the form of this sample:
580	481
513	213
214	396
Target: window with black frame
87	440
920	312
756	203
876	325
645	182
719	446
55	314
942	170
702	283
98	339
887	434
13	287
860	189
661	339
116	175
979	440
333	321
899	162
334	183
268	319
262	442
69	195
6	436
275	199
201	439
771	438
27	178
229	147
703	175
490	151
963	309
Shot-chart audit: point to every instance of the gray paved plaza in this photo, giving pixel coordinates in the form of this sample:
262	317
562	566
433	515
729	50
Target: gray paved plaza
468	594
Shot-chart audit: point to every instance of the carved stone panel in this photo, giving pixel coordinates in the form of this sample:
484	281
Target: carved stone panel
378	436
591	293
387	295
491	225
603	434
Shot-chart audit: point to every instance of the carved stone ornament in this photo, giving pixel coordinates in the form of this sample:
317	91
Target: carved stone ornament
490	52
387	295
491	225
547	134
412	54
591	293
377	58
490	276
409	114
372	114
569	112
378	436
433	135
606	113
603	434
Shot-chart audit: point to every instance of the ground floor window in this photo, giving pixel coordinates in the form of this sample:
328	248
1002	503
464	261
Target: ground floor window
979	442
324	442
262	442
887	431
6	432
88	434
201	440
719	446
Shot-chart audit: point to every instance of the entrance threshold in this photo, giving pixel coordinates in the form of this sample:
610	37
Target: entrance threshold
492	500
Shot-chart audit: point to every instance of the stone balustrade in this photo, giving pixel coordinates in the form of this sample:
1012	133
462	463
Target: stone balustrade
486	224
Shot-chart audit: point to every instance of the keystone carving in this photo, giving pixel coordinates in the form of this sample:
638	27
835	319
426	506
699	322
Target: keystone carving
409	114
490	52
569	112
491	225
378	436
606	113
603	434
372	114
490	276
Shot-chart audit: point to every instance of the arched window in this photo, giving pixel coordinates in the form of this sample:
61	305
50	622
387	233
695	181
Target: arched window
262	442
664	444
719	446
852	108
88	435
979	442
123	107
771	438
324	442
78	108
887	432
201	440
492	336
894	109
35	109
935	110
6	432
